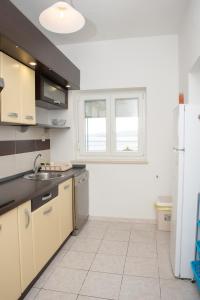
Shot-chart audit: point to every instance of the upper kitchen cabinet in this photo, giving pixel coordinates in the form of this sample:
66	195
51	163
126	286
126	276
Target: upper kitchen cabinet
18	95
10	95
27	93
50	95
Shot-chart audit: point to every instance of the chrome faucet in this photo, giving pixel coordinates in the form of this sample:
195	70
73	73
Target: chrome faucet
35	166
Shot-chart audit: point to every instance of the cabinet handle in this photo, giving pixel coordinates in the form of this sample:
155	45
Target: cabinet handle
56	101
47	197
13	115
29	117
46	212
27	215
66	187
0	227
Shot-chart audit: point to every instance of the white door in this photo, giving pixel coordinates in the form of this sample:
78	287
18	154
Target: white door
177	189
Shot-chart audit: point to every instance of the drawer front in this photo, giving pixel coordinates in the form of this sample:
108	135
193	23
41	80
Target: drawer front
43	199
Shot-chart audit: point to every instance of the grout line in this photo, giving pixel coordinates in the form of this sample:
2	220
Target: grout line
91	264
124	263
158	266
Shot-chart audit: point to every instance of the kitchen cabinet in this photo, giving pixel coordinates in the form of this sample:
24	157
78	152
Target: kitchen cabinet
18	95
66	219
46	237
10	288
10	95
26	244
27	94
50	95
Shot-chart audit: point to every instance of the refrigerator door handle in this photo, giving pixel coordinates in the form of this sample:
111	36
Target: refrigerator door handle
178	149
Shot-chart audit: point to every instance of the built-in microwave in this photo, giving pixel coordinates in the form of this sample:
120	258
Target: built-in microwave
50	95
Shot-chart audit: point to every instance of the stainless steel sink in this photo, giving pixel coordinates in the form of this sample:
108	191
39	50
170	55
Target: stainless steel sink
43	176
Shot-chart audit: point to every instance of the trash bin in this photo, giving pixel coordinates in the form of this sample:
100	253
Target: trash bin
163	212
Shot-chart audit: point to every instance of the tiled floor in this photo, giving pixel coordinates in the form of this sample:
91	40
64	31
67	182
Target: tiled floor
113	261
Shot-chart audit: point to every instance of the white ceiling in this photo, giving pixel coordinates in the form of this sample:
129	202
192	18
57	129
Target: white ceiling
113	19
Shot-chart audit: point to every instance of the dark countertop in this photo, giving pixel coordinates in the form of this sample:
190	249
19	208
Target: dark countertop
21	190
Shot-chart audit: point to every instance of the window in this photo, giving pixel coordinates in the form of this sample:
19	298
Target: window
95	126
111	125
127	124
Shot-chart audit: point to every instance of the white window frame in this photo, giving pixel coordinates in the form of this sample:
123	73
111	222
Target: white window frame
111	155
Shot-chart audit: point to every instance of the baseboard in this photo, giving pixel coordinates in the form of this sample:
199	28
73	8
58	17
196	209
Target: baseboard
130	220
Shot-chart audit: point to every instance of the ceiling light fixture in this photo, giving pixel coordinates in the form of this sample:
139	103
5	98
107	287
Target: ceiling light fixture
61	18
68	85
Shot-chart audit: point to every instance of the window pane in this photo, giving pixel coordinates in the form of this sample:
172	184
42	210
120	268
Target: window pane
126	114
95	124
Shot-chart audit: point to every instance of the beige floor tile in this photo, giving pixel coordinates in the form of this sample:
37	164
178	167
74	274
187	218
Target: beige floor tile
113	247
44	277
97	224
165	268
67	246
108	264
92	233
135	288
120	226
102	285
86	245
77	260
52	295
66	280
57	259
142	236
163	250
144	227
32	294
143	250
117	235
147	267
178	290
162	237
89	298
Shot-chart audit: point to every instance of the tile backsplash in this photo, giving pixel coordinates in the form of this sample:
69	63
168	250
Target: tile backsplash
19	149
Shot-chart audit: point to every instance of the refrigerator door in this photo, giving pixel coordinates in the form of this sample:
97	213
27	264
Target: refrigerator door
177	189
191	187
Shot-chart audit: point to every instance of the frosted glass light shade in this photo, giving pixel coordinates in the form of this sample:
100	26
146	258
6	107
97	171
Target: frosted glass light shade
61	18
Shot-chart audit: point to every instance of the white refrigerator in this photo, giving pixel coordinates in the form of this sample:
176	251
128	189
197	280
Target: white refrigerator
185	188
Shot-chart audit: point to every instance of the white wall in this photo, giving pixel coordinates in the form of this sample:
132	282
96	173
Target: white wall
128	190
189	47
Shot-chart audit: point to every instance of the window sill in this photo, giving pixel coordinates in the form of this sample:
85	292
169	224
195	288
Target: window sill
111	161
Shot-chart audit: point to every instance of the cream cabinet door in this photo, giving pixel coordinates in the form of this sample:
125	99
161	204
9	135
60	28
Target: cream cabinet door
46	237
26	244
10	288
66	217
10	95
27	95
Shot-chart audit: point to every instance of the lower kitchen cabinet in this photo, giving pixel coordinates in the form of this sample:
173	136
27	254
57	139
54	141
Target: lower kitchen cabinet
66	219
29	239
10	288
26	244
46	237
